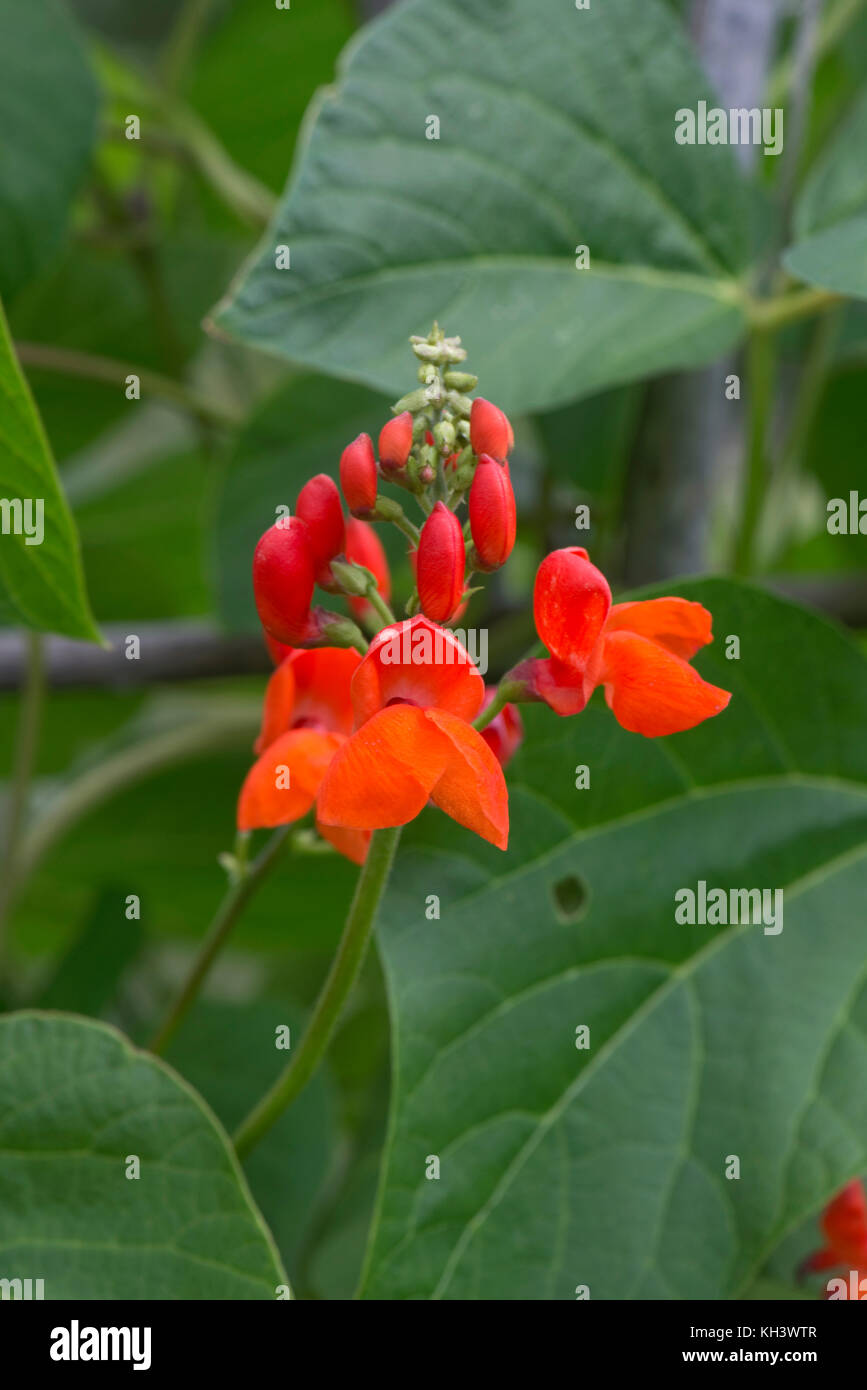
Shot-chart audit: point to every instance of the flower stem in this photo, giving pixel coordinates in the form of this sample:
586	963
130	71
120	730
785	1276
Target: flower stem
230	909
341	977
25	757
506	691
760	359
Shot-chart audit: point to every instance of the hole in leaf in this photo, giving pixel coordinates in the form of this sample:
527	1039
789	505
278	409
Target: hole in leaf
570	898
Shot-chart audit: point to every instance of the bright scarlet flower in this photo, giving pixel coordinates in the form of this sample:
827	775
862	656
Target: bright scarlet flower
638	651
319	507
492	513
365	548
284	574
395	441
844	1224
306	717
413	695
358	474
505	732
440	564
490	431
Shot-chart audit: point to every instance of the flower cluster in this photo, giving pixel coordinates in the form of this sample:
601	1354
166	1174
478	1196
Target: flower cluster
370	731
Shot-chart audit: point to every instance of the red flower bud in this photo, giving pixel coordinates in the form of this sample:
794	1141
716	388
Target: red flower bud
278	651
440	564
319	507
283	579
395	441
490	431
492	513
365	548
358	474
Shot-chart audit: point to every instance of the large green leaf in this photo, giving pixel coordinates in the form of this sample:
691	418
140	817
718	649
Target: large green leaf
49	104
556	130
606	1167
830	220
76	1101
40	566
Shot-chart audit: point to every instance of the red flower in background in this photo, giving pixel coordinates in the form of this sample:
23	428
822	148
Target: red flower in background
639	652
844	1225
414	694
505	731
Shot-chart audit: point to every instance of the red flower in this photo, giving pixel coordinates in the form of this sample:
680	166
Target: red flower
306	717
395	441
505	732
413	695
490	431
319	507
284	574
492	513
365	548
358	474
440	564
844	1224
639	652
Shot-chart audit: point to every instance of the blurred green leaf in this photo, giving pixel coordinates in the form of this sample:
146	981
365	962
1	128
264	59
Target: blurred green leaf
76	1101
835	259
256	73
228	1053
40	565
87	976
389	230
606	1167
301	431
830	221
49	108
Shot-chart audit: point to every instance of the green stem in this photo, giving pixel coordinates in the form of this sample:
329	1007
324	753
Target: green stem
766	314
506	691
374	597
344	971
230	909
809	390
760	383
22	774
182	42
71	362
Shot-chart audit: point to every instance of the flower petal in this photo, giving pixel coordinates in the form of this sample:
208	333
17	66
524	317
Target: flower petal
323	679
352	844
264	801
384	773
422	663
653	692
674	623
571	599
278	704
471	788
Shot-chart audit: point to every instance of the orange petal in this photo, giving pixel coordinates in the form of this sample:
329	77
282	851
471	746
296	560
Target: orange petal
471	788
571	599
675	623
653	692
421	662
844	1222
323	680
299	758
277	705
384	773
352	844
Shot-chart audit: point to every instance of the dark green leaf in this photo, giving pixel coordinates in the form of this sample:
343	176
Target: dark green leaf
388	229
76	1102
606	1167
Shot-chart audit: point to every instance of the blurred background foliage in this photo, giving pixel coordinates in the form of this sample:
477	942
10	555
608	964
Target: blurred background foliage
170	493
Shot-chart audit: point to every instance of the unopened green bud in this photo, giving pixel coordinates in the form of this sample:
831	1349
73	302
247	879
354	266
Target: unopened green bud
413	401
353	579
444	434
461	381
461	404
